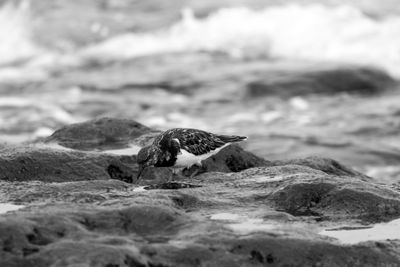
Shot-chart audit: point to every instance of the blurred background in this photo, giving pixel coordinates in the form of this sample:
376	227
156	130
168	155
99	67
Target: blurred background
300	78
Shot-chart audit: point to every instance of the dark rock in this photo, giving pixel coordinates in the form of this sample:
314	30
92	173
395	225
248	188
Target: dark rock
281	170
146	139
230	159
365	80
110	223
304	191
102	133
60	239
335	197
155	175
150	235
145	220
171	185
326	165
122	171
264	250
56	165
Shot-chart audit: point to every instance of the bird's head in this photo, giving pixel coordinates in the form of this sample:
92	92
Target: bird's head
146	157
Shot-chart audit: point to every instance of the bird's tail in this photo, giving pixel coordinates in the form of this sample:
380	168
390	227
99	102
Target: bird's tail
231	138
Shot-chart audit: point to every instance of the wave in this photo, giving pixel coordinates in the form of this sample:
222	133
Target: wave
15	33
306	32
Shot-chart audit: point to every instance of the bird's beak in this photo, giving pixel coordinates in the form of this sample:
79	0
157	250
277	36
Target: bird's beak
141	168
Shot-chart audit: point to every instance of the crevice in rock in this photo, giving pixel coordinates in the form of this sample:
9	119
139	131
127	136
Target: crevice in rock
270	258
132	262
36	238
87	223
115	172
171	185
257	256
28	251
158	265
8	245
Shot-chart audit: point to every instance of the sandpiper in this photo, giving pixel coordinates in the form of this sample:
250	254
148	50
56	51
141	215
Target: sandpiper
183	148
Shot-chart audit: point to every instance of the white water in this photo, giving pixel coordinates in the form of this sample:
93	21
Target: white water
242	224
311	32
15	33
6	207
131	150
381	231
140	189
225	216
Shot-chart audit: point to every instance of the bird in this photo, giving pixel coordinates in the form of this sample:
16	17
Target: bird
183	148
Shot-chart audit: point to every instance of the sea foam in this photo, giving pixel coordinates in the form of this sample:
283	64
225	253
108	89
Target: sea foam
15	33
310	32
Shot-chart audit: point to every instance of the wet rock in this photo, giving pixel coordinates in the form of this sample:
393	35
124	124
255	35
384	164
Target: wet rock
102	133
89	253
264	251
146	139
171	185
143	220
332	80
230	159
335	197
47	164
154	235
71	192
303	191
280	170
75	236
326	165
155	175
56	165
111	222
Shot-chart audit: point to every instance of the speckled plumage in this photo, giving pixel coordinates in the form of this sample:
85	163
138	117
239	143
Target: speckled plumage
185	146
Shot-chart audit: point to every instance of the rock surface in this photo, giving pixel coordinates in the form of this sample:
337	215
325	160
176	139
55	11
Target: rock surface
322	81
58	165
99	133
230	159
84	208
82	205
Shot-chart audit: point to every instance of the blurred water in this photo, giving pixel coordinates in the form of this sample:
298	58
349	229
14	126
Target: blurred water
381	231
15	33
310	32
6	207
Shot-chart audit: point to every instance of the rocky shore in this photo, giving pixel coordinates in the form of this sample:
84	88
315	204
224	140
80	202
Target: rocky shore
315	87
81	205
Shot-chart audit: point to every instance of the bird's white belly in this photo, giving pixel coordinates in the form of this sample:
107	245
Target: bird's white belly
186	159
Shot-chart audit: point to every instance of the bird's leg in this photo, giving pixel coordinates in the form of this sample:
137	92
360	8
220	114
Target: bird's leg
175	173
194	173
197	170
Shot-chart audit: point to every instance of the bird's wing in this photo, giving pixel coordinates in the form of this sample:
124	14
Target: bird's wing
197	142
194	141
